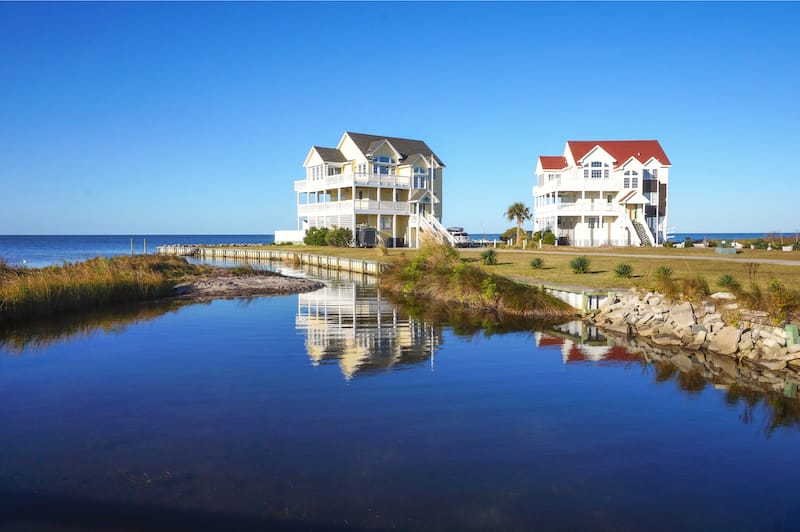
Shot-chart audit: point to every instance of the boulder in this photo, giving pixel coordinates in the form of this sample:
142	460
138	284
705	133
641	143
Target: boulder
774	365
726	341
683	315
665	339
725	296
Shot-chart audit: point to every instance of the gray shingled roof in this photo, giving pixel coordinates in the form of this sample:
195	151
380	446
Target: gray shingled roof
406	147
331	155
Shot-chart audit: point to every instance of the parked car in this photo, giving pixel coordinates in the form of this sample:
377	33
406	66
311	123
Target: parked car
462	239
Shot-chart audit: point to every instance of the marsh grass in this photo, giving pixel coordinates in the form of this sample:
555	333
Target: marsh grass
437	275
93	283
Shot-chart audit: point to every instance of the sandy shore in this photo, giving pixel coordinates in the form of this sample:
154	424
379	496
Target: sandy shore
222	283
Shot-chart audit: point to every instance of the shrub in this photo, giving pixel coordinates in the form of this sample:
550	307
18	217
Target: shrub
663	272
760	243
695	289
623	270
549	238
508	234
796	246
688	243
536	236
729	282
339	237
669	244
580	264
713	244
782	301
489	257
316	236
537	263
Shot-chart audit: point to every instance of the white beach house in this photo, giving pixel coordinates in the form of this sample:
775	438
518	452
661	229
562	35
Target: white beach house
609	192
390	184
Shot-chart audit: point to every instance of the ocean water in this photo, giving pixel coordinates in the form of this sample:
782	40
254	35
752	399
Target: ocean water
336	409
43	250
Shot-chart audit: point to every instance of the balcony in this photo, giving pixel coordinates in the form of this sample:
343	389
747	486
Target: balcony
577	184
350	206
348	180
580	207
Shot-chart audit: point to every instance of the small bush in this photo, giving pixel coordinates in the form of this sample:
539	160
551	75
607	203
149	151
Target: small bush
688	243
712	243
316	236
760	243
623	270
537	263
549	238
695	289
664	282
489	257
728	282
580	264
339	237
669	244
796	246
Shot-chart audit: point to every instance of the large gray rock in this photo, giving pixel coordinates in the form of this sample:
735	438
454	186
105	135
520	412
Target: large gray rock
726	341
683	315
775	365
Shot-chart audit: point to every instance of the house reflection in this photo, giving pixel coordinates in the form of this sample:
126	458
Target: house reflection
350	324
579	342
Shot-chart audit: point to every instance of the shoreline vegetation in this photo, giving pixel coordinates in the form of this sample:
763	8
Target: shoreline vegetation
102	282
437	277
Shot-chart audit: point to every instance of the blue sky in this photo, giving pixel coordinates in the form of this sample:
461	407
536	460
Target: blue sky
195	118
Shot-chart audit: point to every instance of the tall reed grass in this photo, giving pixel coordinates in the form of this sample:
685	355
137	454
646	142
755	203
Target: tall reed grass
93	283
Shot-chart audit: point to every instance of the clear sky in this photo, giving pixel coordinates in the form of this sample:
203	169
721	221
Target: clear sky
120	118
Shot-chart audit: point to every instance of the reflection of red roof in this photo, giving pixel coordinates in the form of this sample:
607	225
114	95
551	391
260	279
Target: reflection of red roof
620	150
553	162
617	353
550	340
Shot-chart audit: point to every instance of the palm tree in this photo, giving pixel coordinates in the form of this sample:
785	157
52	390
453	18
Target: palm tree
519	212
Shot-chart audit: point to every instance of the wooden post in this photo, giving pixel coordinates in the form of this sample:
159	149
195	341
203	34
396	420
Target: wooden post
145	246
131	246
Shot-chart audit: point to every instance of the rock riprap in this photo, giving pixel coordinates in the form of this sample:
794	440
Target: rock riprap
700	326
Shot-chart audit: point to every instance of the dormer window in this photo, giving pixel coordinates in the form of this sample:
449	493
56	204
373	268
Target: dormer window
596	170
383	165
630	179
651	174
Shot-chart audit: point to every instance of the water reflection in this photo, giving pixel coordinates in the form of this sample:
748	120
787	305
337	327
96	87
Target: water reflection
350	324
42	333
766	399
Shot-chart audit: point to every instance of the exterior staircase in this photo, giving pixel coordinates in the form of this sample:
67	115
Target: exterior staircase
643	233
433	227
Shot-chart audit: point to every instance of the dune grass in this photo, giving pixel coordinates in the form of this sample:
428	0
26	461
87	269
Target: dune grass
93	283
437	275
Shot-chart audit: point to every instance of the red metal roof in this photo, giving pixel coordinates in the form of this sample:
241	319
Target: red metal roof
621	150
550	162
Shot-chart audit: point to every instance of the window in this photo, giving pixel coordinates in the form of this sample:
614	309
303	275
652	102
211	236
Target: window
630	179
419	177
334	170
598	170
383	165
651	174
594	222
386	223
361	169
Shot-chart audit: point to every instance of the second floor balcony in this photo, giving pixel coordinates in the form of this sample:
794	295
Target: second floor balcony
569	183
358	206
351	179
597	206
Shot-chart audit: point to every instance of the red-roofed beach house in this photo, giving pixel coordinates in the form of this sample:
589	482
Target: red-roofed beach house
605	192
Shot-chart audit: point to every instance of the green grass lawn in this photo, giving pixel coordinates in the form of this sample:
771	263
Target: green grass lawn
556	268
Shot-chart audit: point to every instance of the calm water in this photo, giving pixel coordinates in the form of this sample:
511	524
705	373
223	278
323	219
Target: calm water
335	409
42	250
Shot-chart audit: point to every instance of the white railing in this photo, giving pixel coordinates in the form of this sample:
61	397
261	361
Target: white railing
431	225
350	179
588	206
345	206
611	184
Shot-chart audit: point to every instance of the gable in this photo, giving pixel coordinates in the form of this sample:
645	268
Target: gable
404	147
620	150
